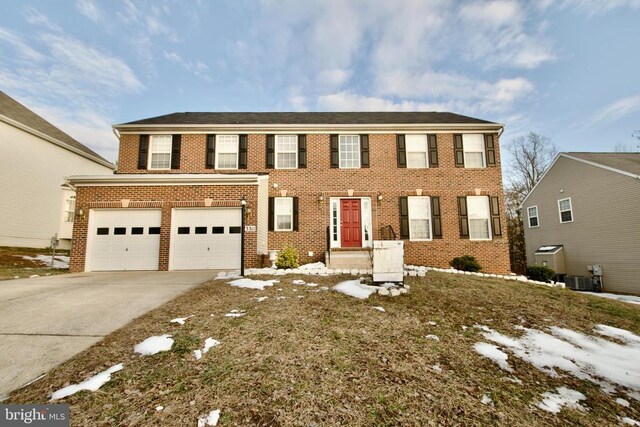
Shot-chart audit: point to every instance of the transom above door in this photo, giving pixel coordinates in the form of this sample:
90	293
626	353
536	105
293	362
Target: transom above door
350	222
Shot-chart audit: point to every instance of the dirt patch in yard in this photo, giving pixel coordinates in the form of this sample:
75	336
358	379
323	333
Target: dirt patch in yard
329	359
14	265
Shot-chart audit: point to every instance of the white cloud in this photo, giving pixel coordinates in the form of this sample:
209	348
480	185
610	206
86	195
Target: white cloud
598	7
198	68
333	77
347	101
89	9
34	17
616	110
21	47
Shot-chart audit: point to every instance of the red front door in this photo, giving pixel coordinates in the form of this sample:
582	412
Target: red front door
350	225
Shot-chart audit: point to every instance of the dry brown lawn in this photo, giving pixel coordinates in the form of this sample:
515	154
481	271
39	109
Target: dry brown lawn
329	359
14	266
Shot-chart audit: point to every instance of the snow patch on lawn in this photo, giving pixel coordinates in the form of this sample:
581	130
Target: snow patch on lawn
432	323
260	299
486	400
235	313
153	345
253	284
299	282
624	298
630	421
432	337
312	266
181	320
210	419
381	309
228	275
591	358
553	402
208	344
355	289
492	352
59	261
622	402
91	384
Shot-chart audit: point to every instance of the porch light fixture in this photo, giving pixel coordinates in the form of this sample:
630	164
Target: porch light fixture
320	198
81	213
380	198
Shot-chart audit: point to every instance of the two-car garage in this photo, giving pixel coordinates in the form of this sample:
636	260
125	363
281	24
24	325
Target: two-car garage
129	239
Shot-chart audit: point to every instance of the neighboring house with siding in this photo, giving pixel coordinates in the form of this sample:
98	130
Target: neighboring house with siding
589	204
36	156
325	183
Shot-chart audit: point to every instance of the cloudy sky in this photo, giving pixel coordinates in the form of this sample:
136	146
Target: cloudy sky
568	69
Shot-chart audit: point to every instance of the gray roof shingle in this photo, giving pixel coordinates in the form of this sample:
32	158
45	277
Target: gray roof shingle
308	118
12	109
627	162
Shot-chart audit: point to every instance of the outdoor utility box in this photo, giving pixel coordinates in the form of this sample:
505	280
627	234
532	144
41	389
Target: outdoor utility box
551	256
579	283
388	260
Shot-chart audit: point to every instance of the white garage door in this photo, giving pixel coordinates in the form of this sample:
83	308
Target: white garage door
125	239
205	238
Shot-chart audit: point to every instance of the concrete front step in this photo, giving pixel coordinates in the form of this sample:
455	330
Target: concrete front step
349	260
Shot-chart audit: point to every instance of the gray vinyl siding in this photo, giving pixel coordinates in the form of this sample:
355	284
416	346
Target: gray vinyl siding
606	222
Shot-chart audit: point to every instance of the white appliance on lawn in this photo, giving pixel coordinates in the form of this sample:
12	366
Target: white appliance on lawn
388	260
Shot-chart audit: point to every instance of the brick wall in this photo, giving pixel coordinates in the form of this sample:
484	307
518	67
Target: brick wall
383	177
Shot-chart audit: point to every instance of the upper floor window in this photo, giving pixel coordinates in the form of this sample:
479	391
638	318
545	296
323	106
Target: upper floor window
349	151
473	146
286	148
227	151
479	218
419	218
160	152
283	214
532	213
564	207
70	209
417	151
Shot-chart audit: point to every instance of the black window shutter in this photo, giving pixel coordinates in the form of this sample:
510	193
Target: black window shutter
436	219
302	151
211	152
401	150
242	152
272	214
463	217
335	154
271	150
404	217
458	150
143	151
495	216
433	150
364	151
295	214
490	150
176	142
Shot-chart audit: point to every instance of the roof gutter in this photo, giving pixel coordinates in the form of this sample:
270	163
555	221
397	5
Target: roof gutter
165	179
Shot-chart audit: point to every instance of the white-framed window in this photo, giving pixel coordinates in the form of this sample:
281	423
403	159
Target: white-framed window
532	214
565	210
227	151
349	151
70	209
419	218
283	214
417	151
473	146
479	218
160	151
286	151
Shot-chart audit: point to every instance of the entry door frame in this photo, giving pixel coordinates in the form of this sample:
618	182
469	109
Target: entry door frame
365	219
351	205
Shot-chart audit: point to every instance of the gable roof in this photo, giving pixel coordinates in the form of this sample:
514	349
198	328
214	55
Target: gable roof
16	114
623	163
308	118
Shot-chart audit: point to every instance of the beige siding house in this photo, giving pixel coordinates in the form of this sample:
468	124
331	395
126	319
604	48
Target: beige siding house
36	156
590	204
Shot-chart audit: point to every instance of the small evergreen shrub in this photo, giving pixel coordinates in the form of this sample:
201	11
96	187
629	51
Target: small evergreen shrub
287	257
540	273
465	263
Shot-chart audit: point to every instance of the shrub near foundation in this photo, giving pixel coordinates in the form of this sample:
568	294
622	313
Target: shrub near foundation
540	273
465	263
287	257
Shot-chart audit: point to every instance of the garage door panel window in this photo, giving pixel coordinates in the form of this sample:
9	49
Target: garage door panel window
479	217
416	146
283	213
286	151
473	146
235	230
419	218
160	152
184	230
102	231
120	231
200	230
154	230
137	230
217	230
227	151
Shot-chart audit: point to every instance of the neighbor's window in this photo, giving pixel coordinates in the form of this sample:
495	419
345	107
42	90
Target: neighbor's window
227	151
417	153
532	212
349	151
160	152
70	209
473	146
283	214
286	151
479	215
566	214
419	218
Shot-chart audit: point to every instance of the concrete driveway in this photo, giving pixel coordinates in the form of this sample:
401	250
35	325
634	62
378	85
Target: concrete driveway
47	320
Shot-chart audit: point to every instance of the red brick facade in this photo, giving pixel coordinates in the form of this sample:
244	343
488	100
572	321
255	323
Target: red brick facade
383	177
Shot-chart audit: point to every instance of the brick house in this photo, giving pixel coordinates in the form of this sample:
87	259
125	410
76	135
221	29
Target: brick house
317	181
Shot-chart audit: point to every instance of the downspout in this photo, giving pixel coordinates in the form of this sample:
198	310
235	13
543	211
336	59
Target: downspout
244	208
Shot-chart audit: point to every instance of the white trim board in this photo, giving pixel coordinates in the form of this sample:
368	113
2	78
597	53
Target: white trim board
162	179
